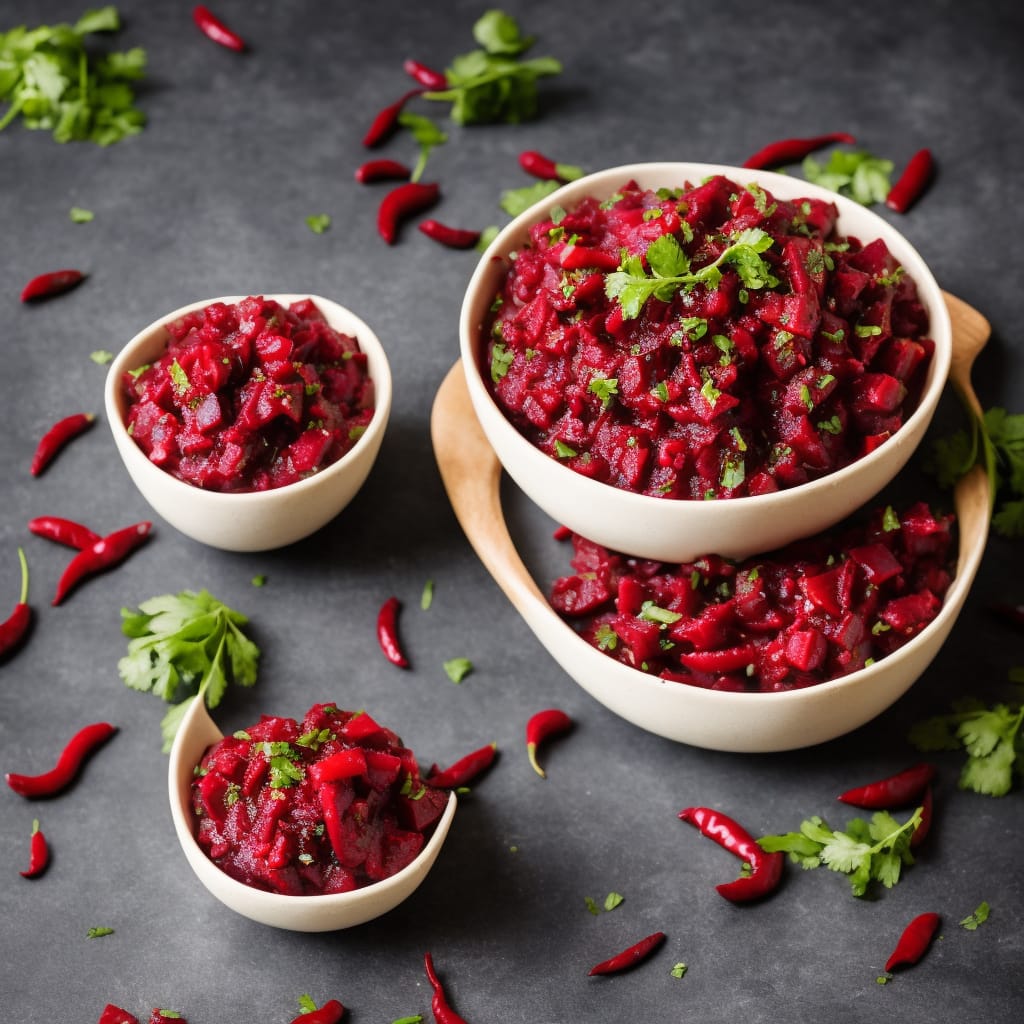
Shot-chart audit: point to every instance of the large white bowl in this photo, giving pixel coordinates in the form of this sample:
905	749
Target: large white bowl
674	530
256	521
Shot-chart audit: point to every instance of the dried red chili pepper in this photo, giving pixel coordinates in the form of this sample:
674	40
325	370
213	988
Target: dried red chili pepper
38	853
631	956
63	531
15	626
543	724
330	1013
53	283
912	182
443	1013
789	151
115	1015
1011	613
402	202
104	554
918	836
381	170
545	168
896	791
387	633
766	868
426	76
463	771
914	942
214	29
57	437
454	238
386	121
79	747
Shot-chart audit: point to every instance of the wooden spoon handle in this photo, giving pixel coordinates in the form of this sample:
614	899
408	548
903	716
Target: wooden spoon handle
970	333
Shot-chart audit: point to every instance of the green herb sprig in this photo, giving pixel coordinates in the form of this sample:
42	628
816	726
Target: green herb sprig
858	175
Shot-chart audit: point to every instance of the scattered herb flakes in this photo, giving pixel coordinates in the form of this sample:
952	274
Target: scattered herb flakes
592	905
318	223
259	580
678	970
427	597
306	1004
416	1018
973	921
858	175
458	669
101	356
98	933
79	215
612	900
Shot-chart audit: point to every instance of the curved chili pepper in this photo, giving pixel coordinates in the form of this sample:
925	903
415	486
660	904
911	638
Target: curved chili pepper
38	853
214	29
385	122
912	182
630	956
104	554
53	283
80	746
463	771
57	437
115	1015
914	942
381	170
443	1013
918	836
402	202
730	835
330	1013
15	626
547	169
896	791
789	151
427	77
454	238
387	633
543	724
63	531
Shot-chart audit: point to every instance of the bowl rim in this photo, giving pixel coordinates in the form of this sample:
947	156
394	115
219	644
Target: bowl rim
513	235
367	339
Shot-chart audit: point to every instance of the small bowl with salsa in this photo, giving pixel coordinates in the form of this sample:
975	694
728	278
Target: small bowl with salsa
249	422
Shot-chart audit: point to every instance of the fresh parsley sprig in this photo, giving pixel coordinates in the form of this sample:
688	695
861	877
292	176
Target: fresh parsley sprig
187	641
875	850
670	269
858	175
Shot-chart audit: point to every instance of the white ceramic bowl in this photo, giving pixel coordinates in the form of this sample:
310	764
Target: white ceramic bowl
679	530
256	521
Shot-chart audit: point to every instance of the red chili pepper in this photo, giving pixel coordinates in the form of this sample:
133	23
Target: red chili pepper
15	626
543	724
387	633
403	202
896	791
63	531
213	28
912	182
330	1013
465	769
427	77
920	833
545	168
81	745
561	533
381	170
454	238
914	942
115	1015
38	854
730	835
387	120
57	437
789	151
53	283
631	956
443	1013
104	554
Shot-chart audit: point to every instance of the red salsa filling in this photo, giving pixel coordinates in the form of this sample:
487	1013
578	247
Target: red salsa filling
325	805
815	610
250	396
705	342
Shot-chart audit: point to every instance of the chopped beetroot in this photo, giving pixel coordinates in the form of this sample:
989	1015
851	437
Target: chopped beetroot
330	804
250	396
708	391
815	610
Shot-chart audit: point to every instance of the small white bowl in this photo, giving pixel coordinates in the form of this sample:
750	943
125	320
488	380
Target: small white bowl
672	530
256	521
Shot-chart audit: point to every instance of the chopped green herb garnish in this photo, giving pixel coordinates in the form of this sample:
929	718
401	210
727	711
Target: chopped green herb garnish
678	970
101	356
592	905
79	215
612	900
259	580
861	176
427	597
501	360
650	612
179	378
890	520
458	668
564	451
606	388
606	637
98	933
306	1004
979	917
318	223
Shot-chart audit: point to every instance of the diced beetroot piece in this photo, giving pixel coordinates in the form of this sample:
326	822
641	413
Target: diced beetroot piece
806	649
382	768
708	630
274	729
343	765
877	562
401	848
901	357
422	810
730	659
115	1015
212	789
908	615
580	595
639	638
796	313
360	728
846	286
877	392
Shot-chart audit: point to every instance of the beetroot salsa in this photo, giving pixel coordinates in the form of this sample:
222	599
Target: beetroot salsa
705	342
815	610
325	805
250	396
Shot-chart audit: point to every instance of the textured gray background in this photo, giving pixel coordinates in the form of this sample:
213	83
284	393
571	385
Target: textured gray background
210	200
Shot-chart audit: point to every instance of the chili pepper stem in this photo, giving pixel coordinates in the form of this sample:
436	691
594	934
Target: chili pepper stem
531	753
23	599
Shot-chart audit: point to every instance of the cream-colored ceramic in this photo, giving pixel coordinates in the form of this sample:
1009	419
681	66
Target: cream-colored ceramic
740	722
678	531
256	521
295	913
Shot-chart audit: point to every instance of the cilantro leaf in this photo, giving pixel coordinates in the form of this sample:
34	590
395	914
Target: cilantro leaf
427	135
498	32
515	200
458	668
860	176
318	223
979	917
